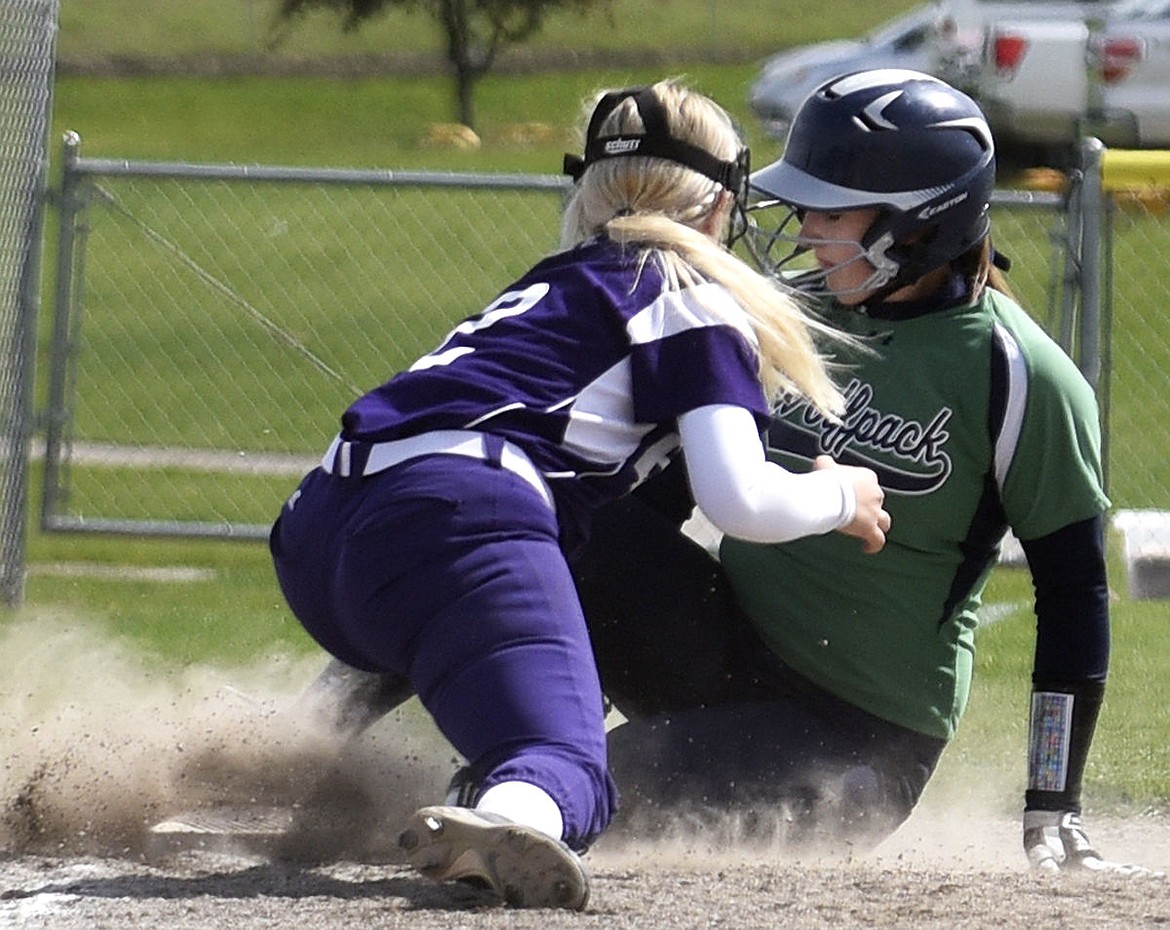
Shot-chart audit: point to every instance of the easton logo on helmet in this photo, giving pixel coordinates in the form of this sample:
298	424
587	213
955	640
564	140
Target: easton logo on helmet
927	212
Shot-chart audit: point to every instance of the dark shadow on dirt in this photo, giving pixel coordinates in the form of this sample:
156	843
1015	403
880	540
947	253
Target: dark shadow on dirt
271	880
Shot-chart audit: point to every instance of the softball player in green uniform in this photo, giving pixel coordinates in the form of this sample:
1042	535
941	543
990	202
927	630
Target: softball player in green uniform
811	679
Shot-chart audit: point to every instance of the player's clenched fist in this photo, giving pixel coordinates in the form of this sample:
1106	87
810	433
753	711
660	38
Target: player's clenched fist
870	521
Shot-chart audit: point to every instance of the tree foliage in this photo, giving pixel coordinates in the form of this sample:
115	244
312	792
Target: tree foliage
475	31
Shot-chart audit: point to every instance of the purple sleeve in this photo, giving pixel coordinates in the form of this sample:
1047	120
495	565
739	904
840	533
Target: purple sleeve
695	368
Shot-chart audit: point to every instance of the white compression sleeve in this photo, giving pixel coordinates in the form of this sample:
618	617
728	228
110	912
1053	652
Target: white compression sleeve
748	497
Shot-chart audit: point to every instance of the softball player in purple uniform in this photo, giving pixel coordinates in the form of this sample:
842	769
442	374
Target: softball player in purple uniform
431	544
803	677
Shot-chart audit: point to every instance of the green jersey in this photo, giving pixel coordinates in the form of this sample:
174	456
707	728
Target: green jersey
974	420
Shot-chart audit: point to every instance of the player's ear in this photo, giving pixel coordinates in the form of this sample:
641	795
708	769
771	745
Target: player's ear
718	216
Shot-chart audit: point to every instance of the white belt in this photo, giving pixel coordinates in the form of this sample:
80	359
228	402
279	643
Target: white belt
385	455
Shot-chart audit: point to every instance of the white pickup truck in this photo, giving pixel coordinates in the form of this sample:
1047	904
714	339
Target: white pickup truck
963	28
1047	82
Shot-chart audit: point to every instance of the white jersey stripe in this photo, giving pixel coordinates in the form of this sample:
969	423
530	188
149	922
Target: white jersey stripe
678	311
1014	406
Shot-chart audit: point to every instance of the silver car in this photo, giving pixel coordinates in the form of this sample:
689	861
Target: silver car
789	76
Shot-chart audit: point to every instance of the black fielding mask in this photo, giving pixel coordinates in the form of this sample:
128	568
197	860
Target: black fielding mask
657	142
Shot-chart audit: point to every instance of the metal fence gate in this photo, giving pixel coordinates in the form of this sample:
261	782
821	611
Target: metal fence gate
212	321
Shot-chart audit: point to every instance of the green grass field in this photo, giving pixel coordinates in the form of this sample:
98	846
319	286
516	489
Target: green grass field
235	615
679	30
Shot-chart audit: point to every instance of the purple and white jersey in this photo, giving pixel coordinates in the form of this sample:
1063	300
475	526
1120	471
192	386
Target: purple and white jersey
585	364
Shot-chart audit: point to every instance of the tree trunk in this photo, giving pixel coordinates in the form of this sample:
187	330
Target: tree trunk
465	79
454	16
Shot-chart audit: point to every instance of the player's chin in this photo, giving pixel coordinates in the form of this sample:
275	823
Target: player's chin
848	297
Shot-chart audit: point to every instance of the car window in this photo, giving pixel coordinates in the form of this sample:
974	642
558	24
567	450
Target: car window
912	40
894	31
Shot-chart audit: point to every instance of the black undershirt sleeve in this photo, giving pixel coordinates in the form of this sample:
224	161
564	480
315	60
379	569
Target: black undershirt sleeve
1072	603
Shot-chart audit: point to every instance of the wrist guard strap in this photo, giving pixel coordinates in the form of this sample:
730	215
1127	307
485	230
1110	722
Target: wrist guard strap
1060	731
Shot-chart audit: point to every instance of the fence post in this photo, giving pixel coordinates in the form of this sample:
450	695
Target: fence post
1070	283
1092	211
1096	285
56	416
1086	300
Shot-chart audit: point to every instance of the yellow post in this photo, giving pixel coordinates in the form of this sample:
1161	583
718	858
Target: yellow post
1127	169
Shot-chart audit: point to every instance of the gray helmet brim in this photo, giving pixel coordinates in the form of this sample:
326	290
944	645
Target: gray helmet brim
783	181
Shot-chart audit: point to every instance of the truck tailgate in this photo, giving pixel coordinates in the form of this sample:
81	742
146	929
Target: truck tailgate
1038	67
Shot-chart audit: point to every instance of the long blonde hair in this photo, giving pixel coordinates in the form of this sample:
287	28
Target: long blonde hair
661	207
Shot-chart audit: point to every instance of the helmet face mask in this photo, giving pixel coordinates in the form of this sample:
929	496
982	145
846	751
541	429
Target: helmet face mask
784	250
901	142
771	235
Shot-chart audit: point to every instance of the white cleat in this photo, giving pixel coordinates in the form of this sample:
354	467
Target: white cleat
523	866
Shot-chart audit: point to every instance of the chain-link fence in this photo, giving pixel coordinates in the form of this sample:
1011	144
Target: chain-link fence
27	33
1136	355
213	321
1138	346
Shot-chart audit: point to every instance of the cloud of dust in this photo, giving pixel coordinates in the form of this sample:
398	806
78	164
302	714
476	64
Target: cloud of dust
97	745
968	818
976	834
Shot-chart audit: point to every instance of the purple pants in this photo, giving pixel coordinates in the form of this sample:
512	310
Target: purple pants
447	570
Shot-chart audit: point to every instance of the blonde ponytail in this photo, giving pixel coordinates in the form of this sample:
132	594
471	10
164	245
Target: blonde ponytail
789	361
662	208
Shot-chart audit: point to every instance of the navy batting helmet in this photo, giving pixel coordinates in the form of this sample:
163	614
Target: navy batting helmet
903	142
